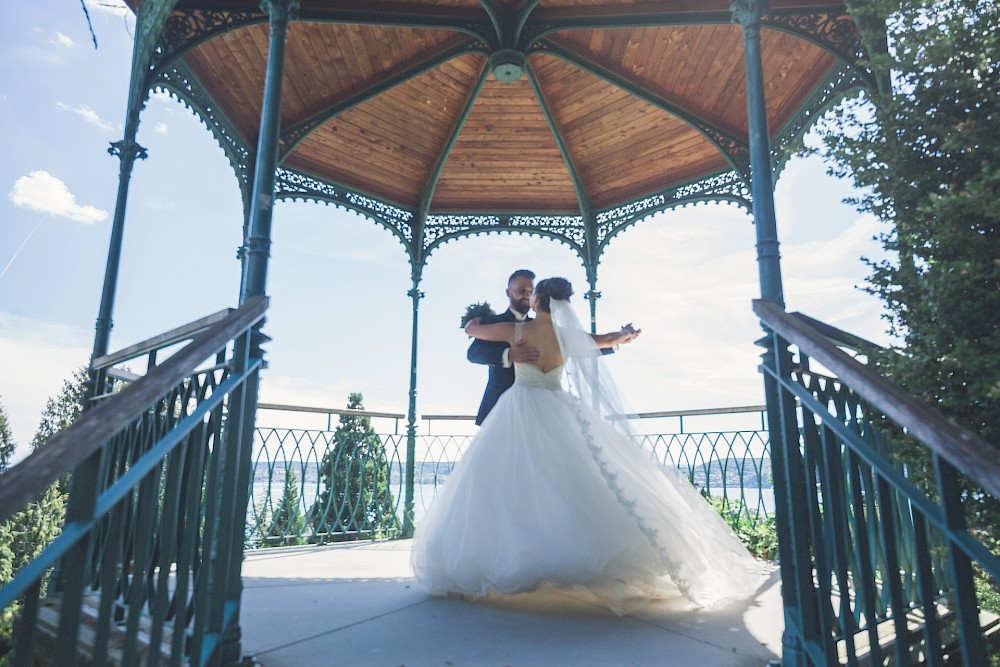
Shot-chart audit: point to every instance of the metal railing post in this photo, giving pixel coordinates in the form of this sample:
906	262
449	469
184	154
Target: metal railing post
411	419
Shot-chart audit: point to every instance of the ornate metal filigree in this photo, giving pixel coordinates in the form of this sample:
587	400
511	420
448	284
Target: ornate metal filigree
737	151
728	186
842	82
185	29
127	151
293	185
837	33
566	229
178	82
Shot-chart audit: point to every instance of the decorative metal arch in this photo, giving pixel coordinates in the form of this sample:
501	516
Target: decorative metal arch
505	28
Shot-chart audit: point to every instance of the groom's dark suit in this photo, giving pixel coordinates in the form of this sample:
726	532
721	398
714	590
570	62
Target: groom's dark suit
490	352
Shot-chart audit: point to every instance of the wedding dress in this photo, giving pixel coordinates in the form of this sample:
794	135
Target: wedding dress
553	493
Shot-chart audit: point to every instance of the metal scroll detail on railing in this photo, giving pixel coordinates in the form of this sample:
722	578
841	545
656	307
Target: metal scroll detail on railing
148	560
311	488
877	560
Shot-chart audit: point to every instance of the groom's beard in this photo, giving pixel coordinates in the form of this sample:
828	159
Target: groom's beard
522	308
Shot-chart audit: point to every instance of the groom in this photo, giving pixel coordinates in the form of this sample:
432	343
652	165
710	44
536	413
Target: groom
501	357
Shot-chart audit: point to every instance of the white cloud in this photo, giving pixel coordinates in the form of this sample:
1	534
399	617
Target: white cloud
43	192
37	357
160	128
62	40
88	115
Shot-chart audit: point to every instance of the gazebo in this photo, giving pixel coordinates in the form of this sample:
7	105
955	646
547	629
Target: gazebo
570	119
442	120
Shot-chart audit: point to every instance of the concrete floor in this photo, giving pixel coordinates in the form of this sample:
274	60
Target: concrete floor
357	604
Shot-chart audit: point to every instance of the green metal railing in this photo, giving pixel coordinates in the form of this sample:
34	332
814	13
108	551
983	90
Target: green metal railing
876	554
294	467
148	560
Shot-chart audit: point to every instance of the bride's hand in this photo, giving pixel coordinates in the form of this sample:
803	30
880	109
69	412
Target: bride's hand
629	333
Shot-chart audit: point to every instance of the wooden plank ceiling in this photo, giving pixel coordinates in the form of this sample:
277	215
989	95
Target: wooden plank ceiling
395	100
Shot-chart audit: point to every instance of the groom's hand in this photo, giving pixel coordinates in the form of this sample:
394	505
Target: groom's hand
522	354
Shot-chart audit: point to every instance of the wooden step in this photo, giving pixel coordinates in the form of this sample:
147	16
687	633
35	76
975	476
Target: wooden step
990	624
48	629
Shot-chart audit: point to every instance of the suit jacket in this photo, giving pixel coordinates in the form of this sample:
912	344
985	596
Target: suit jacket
490	352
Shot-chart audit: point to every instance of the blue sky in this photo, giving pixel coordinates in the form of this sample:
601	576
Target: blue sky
340	317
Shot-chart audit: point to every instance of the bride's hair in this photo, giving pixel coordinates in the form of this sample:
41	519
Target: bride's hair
552	288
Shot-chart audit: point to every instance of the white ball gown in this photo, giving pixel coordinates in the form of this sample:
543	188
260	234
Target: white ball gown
550	493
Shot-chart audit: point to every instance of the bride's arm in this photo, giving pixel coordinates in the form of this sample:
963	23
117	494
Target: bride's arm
501	331
624	335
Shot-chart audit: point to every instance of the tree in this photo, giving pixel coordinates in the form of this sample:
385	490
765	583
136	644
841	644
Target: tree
24	535
356	500
62	410
924	150
925	154
7	444
289	523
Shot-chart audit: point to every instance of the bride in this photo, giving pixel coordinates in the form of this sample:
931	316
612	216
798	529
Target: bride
555	491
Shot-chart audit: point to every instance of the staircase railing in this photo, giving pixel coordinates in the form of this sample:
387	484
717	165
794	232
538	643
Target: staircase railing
878	561
148	560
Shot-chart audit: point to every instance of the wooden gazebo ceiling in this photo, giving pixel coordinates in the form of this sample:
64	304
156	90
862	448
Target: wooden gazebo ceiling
396	100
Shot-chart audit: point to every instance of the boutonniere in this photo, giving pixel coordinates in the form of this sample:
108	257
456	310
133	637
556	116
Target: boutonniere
474	310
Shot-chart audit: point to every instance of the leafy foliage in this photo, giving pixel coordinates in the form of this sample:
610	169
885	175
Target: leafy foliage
356	500
474	310
758	533
27	533
926	157
289	523
7	444
925	153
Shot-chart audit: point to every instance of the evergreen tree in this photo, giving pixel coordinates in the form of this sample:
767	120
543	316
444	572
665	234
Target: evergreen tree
7	444
24	535
62	410
356	500
289	523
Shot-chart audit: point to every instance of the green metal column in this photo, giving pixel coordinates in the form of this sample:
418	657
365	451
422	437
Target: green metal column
151	15
411	414
262	194
127	151
748	13
592	296
782	421
257	251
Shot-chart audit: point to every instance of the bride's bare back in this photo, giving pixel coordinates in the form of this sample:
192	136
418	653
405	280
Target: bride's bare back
540	335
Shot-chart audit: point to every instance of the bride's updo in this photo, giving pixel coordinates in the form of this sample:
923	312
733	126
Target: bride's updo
552	288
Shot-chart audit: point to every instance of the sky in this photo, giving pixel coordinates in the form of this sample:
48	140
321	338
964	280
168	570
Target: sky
340	319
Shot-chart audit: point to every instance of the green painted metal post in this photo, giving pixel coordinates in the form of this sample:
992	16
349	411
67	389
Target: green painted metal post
782	423
127	151
256	251
262	194
592	296
411	414
748	14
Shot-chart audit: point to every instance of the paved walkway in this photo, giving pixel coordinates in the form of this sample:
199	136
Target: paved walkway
357	605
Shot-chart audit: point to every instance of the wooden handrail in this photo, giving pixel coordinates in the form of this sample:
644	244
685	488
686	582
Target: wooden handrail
72	445
178	335
968	452
839	336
